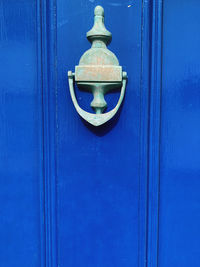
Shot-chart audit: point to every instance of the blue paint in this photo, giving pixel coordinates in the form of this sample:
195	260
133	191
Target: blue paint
180	140
126	194
20	136
98	188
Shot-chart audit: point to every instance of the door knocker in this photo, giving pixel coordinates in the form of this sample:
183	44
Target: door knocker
98	72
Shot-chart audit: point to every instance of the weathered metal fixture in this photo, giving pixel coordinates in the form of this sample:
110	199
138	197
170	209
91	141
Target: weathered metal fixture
98	72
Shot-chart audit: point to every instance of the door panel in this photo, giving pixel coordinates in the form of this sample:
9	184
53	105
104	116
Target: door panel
180	140
98	168
20	136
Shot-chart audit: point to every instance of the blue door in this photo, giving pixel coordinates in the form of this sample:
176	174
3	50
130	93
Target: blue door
118	195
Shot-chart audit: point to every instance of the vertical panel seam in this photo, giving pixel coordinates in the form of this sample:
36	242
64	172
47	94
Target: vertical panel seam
46	27
154	132
144	126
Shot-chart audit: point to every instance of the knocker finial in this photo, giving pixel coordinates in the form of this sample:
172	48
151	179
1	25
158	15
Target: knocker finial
99	11
99	31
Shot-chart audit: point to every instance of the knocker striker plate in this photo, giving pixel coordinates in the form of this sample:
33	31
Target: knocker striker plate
98	72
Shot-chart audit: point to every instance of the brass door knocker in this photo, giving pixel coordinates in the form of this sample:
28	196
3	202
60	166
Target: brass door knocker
98	72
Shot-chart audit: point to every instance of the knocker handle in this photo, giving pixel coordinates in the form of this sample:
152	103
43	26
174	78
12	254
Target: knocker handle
96	119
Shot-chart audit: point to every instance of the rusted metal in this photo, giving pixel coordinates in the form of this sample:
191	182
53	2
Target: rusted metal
98	73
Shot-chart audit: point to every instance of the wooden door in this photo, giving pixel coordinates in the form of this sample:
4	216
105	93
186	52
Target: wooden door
120	195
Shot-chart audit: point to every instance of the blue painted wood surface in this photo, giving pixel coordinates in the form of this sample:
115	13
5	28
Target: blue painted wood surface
20	136
126	194
179	233
98	169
